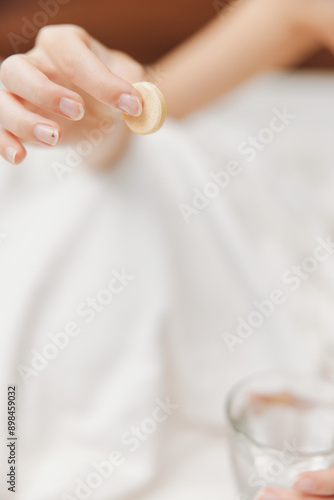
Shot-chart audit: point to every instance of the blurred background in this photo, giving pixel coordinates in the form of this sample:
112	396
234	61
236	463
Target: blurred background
201	223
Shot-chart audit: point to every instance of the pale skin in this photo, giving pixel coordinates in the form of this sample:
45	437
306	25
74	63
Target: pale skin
68	66
309	486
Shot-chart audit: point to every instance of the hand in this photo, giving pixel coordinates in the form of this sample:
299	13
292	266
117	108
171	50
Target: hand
309	486
68	82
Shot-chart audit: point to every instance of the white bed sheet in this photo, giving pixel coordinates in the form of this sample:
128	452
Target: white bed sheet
162	336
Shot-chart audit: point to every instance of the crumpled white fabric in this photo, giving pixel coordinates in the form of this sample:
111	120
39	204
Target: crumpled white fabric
161	338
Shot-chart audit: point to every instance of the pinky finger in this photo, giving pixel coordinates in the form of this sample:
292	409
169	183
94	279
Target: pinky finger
279	494
11	148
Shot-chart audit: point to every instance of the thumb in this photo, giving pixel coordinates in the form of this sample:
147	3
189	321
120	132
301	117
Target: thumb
316	483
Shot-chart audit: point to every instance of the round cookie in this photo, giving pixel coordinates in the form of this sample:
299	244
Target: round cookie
154	112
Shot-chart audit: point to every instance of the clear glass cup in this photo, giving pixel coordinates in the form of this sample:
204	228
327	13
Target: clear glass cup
280	423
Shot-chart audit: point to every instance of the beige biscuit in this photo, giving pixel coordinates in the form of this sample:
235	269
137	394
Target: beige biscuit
154	112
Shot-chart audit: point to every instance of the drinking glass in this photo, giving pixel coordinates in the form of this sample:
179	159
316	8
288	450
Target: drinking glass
281	423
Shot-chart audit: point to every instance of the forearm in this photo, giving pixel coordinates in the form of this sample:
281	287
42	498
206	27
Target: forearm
257	35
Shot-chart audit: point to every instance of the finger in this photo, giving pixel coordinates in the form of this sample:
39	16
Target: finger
280	494
74	57
319	16
25	125
11	148
26	81
316	483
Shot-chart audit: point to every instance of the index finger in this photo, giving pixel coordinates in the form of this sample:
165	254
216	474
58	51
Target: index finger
69	49
317	483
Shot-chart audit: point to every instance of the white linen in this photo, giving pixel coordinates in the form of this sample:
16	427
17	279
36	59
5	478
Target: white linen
161	337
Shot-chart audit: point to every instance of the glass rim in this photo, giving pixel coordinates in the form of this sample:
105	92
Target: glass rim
240	383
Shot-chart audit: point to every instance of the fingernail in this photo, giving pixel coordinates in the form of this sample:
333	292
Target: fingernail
10	154
71	109
46	134
130	105
266	495
305	484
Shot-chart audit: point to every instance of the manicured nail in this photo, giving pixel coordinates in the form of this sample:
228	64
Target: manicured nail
71	109
267	495
46	134
305	484
10	154
130	105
